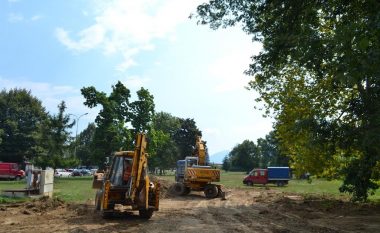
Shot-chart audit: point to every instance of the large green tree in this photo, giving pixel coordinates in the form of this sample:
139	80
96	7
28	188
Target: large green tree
163	150
113	122
21	116
269	151
55	136
142	111
85	145
185	137
326	53
245	156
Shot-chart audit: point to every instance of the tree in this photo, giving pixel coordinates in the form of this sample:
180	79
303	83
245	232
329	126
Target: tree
226	163
55	137
21	116
111	133
318	76
269	151
245	156
163	150
142	111
166	122
185	137
117	113
84	151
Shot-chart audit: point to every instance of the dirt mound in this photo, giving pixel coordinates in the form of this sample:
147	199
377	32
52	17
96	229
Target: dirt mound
42	205
165	186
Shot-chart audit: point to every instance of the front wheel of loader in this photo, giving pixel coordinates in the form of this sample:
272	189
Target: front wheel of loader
146	213
210	191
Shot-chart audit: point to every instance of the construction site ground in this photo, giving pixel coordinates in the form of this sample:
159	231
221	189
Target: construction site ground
244	210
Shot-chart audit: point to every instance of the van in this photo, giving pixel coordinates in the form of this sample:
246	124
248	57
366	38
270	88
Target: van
11	171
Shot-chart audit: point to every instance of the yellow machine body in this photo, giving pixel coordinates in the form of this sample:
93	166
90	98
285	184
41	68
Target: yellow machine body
136	192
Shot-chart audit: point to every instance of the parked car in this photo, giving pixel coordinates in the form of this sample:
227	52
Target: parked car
61	173
11	171
76	172
85	172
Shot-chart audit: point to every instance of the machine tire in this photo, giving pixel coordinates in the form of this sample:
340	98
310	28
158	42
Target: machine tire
210	191
179	189
249	183
17	178
146	214
187	191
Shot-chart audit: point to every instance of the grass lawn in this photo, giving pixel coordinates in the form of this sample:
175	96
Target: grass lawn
317	186
79	189
73	189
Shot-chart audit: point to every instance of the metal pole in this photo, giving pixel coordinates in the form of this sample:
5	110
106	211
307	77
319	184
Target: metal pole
76	132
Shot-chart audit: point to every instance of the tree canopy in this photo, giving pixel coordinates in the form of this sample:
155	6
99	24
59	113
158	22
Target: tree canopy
21	117
113	131
53	141
248	155
318	76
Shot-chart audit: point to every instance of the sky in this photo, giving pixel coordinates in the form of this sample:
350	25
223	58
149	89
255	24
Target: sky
54	48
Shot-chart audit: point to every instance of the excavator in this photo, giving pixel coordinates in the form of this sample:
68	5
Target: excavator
193	174
126	184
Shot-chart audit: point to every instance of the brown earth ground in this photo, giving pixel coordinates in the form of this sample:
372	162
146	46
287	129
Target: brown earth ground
244	210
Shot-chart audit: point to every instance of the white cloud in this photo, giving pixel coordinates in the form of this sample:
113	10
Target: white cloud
135	82
15	17
122	26
36	17
89	38
50	95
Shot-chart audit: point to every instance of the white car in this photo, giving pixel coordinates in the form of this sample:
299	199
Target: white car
62	173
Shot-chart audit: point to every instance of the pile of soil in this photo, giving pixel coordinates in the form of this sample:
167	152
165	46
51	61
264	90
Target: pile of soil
41	205
165	186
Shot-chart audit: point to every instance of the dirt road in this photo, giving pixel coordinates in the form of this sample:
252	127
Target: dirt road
243	211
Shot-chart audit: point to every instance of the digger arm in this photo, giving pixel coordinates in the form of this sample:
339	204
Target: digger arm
138	168
200	151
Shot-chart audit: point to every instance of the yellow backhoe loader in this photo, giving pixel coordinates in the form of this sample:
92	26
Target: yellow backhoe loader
126	184
192	173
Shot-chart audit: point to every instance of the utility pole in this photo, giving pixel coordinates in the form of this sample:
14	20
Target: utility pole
76	131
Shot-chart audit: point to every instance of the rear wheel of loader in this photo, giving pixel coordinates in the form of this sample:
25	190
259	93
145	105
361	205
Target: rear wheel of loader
179	189
146	214
211	191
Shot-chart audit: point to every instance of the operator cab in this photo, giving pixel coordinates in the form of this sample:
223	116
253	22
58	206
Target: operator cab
120	170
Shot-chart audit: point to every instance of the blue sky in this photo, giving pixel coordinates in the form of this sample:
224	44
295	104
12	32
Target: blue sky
54	48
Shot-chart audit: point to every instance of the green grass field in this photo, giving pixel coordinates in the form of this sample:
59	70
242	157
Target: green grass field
78	189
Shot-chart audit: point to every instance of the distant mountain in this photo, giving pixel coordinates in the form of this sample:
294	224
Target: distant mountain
219	156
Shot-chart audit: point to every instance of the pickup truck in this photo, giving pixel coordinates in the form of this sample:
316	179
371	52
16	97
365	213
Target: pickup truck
275	175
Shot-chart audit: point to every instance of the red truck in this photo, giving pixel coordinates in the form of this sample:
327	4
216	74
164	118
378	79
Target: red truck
11	171
275	175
